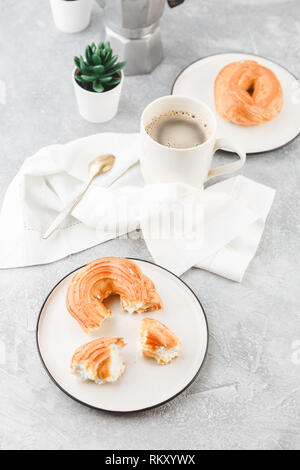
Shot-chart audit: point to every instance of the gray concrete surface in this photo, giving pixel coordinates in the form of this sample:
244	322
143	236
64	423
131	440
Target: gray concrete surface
248	394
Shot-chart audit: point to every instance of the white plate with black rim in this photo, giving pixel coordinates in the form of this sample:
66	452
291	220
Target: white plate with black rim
145	384
197	81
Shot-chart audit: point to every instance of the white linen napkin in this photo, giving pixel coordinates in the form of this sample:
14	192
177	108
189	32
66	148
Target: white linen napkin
45	183
233	218
221	230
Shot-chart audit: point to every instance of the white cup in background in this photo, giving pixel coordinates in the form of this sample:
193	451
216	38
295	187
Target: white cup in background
71	16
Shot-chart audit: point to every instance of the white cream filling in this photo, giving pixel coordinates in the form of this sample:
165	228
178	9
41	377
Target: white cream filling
133	307
162	354
117	368
85	375
167	354
117	365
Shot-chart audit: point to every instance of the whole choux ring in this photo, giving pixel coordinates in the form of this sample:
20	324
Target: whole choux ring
248	94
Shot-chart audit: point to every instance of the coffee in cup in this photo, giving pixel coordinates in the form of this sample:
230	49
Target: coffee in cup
178	129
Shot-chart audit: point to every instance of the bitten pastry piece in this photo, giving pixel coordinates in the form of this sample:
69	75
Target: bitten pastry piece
248	94
158	341
102	278
99	361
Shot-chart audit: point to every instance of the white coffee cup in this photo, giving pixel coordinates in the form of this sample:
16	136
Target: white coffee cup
162	164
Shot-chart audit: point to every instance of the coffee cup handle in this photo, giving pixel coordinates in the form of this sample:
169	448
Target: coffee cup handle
229	167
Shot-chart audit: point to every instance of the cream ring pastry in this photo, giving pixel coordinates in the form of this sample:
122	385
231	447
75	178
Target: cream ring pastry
102	278
99	361
158	341
248	94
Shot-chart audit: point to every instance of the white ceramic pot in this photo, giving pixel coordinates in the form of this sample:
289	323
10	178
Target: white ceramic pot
71	16
98	107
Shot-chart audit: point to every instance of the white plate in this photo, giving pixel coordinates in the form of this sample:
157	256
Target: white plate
197	81
145	384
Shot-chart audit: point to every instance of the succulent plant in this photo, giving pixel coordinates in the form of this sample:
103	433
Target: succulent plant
100	70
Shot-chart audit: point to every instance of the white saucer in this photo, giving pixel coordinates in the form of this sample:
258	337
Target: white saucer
145	384
197	81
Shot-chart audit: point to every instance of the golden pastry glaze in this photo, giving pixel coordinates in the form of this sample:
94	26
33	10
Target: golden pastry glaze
157	335
102	278
248	94
95	356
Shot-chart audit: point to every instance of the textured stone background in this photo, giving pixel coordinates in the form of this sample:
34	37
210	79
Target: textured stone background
249	391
